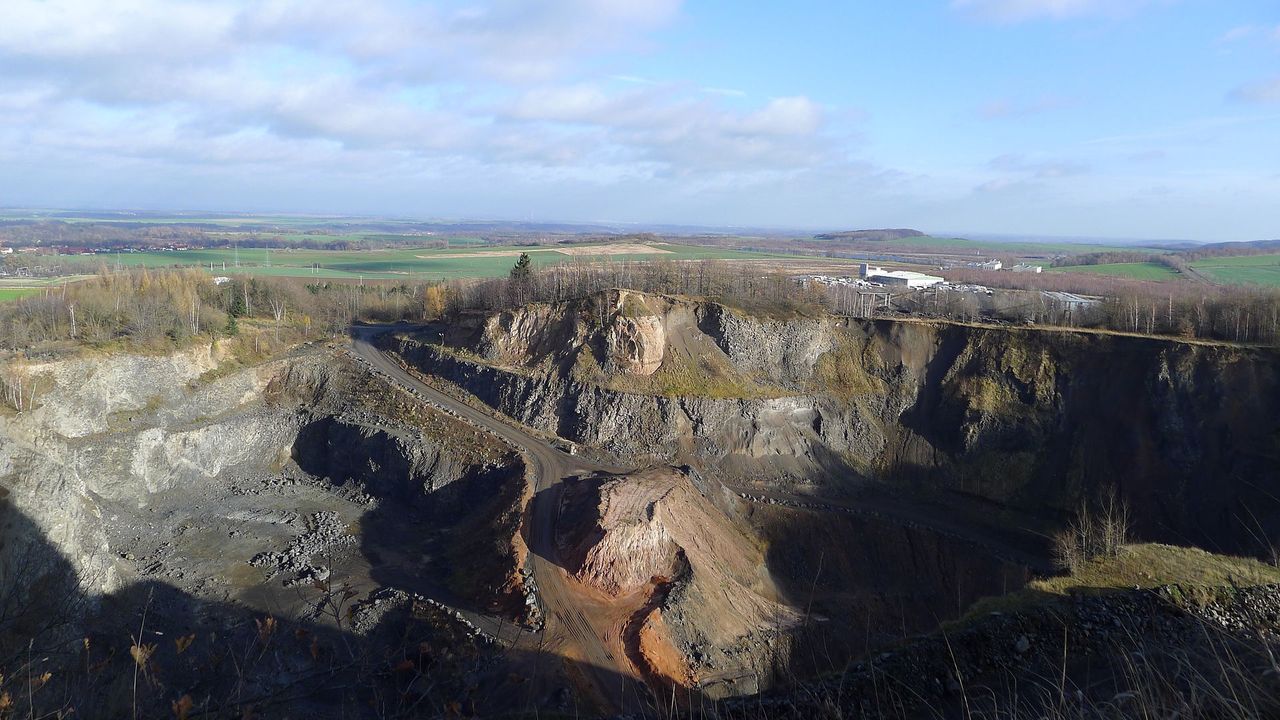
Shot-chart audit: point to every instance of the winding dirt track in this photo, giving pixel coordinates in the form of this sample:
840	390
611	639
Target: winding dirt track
568	632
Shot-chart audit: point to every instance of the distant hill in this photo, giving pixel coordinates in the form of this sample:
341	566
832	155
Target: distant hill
1238	248
871	235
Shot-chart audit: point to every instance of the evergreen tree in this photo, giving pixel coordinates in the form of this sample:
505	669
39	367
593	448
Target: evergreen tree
522	267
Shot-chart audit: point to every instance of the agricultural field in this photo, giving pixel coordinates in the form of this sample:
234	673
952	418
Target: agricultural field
1248	269
414	264
1133	270
14	293
997	247
13	288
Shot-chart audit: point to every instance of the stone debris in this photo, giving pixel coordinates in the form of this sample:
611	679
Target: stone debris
325	533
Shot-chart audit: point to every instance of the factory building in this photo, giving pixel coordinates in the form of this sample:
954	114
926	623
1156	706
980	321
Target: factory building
900	278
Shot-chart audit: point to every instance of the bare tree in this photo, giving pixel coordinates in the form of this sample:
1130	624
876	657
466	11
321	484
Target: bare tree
278	311
1100	529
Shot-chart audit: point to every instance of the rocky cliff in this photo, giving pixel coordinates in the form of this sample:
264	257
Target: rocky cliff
186	467
1035	420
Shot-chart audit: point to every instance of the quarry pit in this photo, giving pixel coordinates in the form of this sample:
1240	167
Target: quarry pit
748	501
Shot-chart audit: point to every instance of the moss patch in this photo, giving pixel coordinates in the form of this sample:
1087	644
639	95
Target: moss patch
849	370
707	376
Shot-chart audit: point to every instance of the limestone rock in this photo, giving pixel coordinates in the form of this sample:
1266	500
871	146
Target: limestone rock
637	344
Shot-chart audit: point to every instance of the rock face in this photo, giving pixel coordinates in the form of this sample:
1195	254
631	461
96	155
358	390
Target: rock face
708	607
636	344
125	450
1038	420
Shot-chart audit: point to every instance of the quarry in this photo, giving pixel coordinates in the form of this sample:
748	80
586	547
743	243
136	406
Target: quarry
633	504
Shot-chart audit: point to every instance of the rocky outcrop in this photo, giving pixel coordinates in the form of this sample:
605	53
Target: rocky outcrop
786	351
636	344
709	609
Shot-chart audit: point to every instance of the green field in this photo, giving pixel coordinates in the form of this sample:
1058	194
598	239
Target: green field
1248	269
988	247
13	293
1133	271
465	261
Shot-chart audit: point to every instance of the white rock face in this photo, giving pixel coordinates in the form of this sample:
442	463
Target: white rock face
101	434
637	344
77	397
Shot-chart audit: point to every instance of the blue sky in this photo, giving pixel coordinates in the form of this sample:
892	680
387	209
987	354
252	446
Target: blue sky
1101	118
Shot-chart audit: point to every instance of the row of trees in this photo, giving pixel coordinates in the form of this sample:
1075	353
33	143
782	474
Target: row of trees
724	281
156	308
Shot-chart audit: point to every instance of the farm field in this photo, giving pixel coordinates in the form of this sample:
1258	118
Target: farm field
1248	269
1133	270
14	293
406	264
13	288
988	247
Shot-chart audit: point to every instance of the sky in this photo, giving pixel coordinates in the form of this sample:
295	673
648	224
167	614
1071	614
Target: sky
1096	118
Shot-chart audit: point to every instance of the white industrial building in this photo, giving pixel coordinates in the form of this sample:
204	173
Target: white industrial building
904	278
1027	268
987	265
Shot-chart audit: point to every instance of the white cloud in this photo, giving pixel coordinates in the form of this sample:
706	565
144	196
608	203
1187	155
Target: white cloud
784	116
726	92
495	82
1267	91
1250	32
1012	11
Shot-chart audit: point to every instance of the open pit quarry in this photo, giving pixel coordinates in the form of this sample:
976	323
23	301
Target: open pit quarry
624	504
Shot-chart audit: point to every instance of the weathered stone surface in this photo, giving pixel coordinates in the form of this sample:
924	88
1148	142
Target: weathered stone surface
637	344
1035	419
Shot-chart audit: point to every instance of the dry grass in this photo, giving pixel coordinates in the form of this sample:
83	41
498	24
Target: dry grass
707	376
848	370
1153	565
1143	566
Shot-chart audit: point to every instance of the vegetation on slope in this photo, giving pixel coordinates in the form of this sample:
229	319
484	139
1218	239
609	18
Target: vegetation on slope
708	376
846	371
1198	575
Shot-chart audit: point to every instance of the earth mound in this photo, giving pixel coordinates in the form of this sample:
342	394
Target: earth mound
706	609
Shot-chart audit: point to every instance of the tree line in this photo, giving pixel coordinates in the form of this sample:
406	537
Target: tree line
166	308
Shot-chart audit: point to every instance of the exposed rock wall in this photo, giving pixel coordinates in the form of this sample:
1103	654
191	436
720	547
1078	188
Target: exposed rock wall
783	350
112	434
115	429
1036	419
